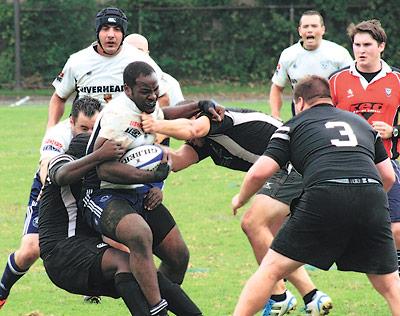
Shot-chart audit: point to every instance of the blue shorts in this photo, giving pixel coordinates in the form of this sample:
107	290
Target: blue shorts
394	195
159	219
31	223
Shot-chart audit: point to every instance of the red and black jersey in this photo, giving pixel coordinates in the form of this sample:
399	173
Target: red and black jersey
377	100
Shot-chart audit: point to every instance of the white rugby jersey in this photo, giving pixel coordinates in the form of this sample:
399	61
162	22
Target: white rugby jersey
56	140
101	77
120	120
173	89
296	62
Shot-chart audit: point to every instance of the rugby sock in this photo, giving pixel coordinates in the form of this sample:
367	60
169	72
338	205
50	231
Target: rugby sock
309	296
398	259
159	309
12	273
178	302
279	297
131	293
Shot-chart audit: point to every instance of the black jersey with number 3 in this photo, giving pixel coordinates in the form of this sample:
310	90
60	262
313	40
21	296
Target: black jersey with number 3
326	143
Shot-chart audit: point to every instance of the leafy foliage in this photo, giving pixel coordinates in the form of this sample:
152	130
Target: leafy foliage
195	40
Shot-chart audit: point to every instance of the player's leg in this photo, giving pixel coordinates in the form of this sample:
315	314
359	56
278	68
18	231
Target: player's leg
21	260
120	221
259	287
168	244
388	285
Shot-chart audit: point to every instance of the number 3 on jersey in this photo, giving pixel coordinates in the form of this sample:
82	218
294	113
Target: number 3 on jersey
349	138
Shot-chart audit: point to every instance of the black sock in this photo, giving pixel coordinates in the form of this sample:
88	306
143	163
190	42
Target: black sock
12	273
178	301
131	293
159	309
279	297
308	297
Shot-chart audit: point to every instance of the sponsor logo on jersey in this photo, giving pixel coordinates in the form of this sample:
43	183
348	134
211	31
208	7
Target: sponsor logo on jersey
135	124
134	132
350	93
60	76
51	148
366	109
101	245
53	142
388	91
101	89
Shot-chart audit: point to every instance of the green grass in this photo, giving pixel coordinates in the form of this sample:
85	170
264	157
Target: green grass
199	198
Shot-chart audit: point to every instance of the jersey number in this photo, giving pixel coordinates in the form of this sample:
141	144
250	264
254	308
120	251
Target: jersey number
345	129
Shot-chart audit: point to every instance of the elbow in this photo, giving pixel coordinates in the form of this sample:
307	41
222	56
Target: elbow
388	181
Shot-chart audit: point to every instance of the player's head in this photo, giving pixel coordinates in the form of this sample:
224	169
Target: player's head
311	29
77	147
83	114
138	41
111	27
369	40
141	85
310	91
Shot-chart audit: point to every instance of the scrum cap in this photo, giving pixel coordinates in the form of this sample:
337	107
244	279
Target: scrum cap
113	16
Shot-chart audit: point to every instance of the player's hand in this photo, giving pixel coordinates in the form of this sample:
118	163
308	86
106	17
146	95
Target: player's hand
111	150
236	204
153	198
149	124
385	130
216	110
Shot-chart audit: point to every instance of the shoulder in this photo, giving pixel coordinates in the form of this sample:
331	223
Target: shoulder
337	73
292	51
83	53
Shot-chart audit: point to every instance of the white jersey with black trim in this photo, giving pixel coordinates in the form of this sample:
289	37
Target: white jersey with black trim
56	140
296	62
121	121
101	77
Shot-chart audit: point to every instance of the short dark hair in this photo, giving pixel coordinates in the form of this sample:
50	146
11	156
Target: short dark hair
86	105
312	12
311	88
77	147
372	27
134	70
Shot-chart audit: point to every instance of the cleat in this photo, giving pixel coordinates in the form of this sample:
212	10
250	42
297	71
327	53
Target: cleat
320	305
2	302
273	308
92	299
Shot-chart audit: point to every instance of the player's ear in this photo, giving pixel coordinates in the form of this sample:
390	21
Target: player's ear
128	90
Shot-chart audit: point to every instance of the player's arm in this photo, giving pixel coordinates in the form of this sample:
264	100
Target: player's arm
184	157
262	169
75	170
56	109
188	108
43	169
117	172
275	100
183	129
387	173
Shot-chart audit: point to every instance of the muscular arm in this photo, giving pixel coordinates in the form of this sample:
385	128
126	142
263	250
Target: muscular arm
186	109
75	170
275	100
183	129
387	174
184	157
56	109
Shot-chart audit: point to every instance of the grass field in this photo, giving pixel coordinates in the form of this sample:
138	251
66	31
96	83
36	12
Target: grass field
199	198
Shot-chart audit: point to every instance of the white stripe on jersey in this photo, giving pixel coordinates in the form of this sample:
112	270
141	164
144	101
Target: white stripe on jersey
241	118
71	208
282	133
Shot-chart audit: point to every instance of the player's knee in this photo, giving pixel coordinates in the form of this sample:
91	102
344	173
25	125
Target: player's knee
248	223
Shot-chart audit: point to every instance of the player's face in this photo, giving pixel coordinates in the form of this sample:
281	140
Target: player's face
367	52
145	93
110	37
311	31
83	124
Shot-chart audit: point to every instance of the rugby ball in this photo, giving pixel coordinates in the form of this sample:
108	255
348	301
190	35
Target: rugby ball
145	157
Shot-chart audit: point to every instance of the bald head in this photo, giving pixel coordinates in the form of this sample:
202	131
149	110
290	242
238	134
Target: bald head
137	40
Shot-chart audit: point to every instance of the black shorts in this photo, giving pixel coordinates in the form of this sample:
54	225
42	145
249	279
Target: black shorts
75	266
346	224
283	186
